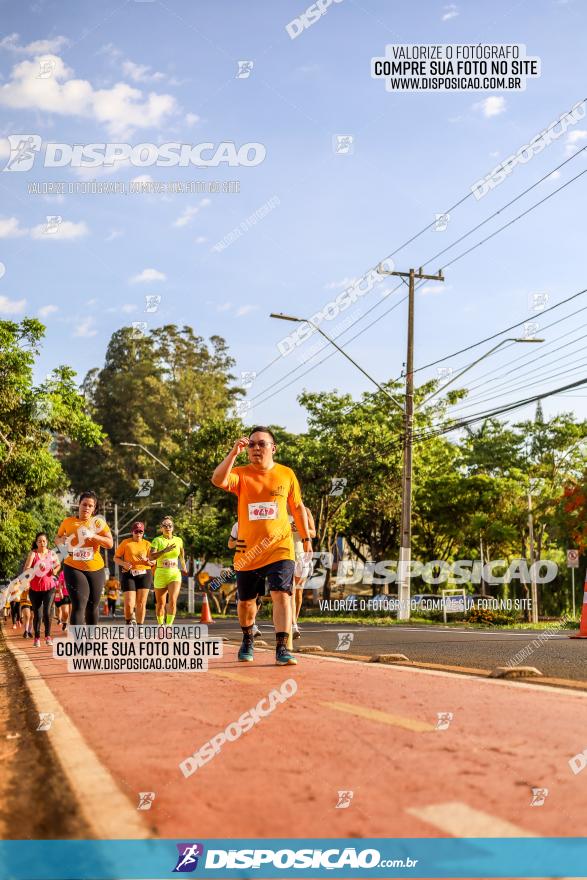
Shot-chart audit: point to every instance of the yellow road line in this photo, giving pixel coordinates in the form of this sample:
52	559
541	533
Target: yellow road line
382	717
461	820
235	676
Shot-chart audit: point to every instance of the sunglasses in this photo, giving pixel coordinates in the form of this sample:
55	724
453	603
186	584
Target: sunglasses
138	532
262	444
167	525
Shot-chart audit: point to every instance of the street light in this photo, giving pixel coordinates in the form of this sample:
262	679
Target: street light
282	317
158	460
474	363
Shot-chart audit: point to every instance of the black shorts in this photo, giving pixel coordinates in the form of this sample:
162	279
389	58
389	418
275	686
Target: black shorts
251	584
65	601
132	583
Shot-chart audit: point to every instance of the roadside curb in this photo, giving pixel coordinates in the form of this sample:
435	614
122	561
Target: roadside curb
373	659
104	808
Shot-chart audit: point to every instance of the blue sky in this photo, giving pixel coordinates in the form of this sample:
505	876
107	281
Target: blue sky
159	72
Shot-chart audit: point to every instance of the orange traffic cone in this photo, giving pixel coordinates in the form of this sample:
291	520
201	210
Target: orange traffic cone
105	609
582	634
205	616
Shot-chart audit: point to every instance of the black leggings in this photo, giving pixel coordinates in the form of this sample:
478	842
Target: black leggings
85	589
42	599
15	611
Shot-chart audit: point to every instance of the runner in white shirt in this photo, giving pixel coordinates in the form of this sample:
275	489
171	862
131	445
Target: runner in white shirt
302	569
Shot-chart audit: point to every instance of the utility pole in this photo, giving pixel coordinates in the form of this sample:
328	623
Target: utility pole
482	564
534	588
405	554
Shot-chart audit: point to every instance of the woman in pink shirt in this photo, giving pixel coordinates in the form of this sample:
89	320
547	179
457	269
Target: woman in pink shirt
42	585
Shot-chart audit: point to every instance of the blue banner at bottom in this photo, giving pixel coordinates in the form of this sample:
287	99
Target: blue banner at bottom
284	858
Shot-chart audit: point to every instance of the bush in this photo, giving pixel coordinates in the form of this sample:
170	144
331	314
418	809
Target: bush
490	618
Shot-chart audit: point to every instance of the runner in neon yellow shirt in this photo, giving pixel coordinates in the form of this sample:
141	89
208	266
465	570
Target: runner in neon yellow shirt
167	551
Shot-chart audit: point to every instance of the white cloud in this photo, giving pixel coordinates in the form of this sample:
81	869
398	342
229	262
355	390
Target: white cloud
126	309
45	311
121	108
190	212
37	47
10	228
191	118
201	239
87	173
142	178
573	140
224	307
11	306
148	275
433	288
111	51
307	70
141	72
64	231
85	328
244	310
114	233
345	282
450	11
492	106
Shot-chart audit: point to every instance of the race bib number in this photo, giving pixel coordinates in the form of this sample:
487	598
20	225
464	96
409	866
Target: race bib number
263	510
135	572
169	563
83	554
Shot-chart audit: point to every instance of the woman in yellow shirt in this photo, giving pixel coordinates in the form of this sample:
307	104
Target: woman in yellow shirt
132	555
167	551
84	535
112	595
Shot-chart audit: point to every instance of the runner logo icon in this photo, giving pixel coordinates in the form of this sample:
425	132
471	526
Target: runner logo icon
23	149
187	860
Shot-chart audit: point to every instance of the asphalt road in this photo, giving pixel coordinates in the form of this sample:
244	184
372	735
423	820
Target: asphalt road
556	656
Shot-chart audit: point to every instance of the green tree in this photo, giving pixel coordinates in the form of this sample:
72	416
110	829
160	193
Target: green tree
154	390
34	421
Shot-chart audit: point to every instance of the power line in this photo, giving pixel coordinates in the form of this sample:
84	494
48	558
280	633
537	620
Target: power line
416	236
450	263
511	222
507	383
530	358
429	434
510	407
501	332
527	384
504	207
527	358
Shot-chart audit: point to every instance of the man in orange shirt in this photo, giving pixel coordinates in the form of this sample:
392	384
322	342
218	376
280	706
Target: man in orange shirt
264	548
